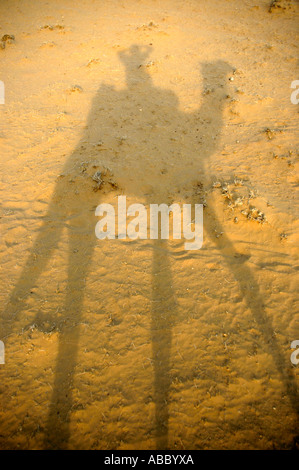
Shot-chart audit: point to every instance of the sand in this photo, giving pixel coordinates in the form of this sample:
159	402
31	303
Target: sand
140	344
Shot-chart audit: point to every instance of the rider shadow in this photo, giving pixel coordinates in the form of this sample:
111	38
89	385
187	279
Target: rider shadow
138	138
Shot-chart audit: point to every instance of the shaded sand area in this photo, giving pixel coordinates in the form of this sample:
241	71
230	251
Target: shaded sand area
122	344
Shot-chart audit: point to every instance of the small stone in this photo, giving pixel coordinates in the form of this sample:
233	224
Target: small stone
76	89
9	38
97	177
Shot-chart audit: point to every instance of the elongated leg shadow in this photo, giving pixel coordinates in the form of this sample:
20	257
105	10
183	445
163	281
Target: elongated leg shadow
163	319
58	424
42	250
63	208
251	294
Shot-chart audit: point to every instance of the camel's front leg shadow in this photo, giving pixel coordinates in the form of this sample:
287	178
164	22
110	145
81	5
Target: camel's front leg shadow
251	294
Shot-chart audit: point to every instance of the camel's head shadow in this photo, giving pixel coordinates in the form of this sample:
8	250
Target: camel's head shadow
217	68
215	77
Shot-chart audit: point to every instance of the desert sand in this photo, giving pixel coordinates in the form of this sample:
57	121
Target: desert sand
140	344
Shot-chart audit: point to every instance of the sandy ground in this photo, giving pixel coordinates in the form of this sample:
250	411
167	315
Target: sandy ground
121	344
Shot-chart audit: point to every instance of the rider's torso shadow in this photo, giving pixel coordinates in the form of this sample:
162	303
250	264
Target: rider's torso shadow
144	147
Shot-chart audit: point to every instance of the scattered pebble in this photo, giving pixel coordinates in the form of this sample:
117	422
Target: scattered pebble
51	27
92	62
75	89
270	133
97	177
6	39
279	5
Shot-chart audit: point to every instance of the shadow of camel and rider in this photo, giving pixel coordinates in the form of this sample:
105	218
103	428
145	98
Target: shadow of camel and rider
131	130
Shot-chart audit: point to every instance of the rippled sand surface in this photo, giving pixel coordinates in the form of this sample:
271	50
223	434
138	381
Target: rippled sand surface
141	344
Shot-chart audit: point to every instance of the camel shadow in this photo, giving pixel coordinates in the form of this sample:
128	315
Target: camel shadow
138	139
